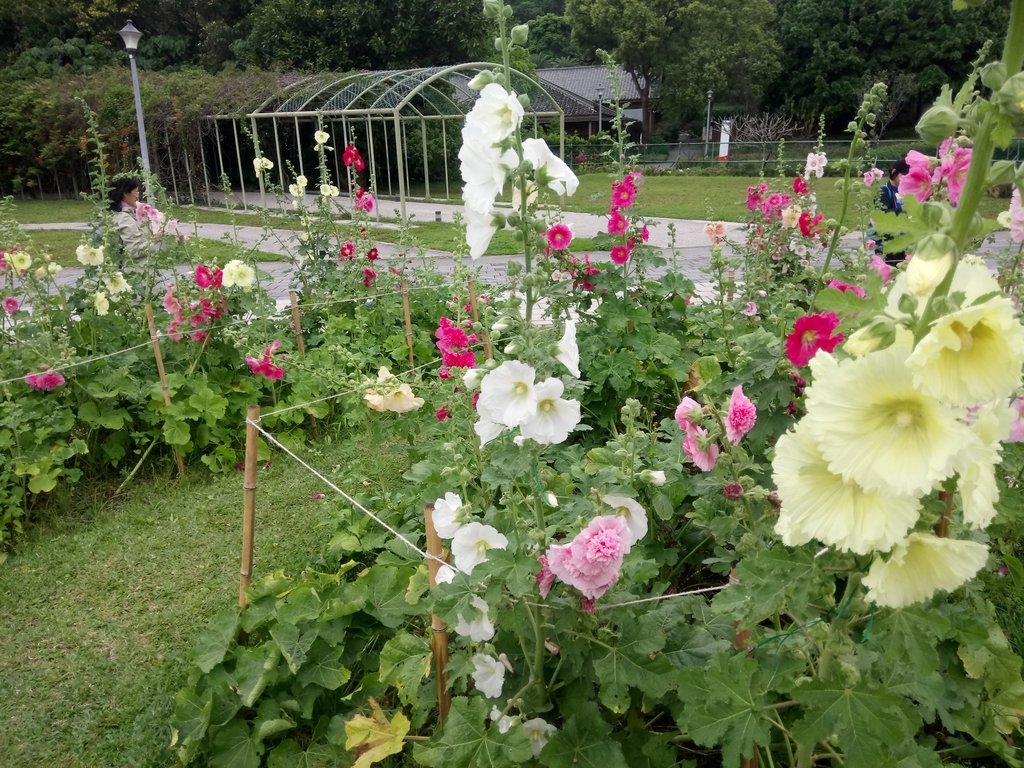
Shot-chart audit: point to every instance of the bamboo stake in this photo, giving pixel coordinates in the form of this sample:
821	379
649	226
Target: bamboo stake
252	441
155	337
476	319
439	635
408	323
296	323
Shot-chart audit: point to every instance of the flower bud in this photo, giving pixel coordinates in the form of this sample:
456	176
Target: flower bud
520	33
513	348
877	334
551	499
492	8
481	80
502	324
924	275
472	377
653	476
938	123
935	247
1010	97
524	99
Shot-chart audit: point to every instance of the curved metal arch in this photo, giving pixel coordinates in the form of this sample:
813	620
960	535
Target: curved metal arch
300	83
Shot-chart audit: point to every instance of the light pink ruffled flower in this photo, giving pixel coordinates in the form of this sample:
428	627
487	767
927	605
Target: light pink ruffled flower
884	270
592	560
870	177
953	167
741	417
917	182
687	410
44	382
704	458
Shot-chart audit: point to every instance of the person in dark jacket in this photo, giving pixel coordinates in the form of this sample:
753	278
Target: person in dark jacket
891	202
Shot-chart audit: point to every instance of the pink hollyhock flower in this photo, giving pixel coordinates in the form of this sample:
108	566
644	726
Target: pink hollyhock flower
883	270
715	232
586	605
617	223
204	277
811	333
800	186
364	200
754	195
44	382
702	453
352	159
741	417
265	365
620	254
373	254
623	193
441	413
545	578
687	410
171	304
917	182
842	287
592	560
559	236
198	336
952	169
347	251
750	310
11	305
1017	430
732	491
808	224
870	177
645	234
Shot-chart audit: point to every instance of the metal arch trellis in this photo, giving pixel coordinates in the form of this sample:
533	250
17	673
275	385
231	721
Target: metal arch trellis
391	99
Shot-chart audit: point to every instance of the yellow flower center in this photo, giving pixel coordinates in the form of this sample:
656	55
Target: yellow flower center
965	336
519	388
546	405
481	546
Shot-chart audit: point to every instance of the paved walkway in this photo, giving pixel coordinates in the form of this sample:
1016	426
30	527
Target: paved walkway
691	246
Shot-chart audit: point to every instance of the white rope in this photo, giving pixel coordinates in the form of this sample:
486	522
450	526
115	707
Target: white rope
348	498
701	591
84	362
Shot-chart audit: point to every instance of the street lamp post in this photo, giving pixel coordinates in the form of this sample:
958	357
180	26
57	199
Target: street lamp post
707	125
600	110
131	36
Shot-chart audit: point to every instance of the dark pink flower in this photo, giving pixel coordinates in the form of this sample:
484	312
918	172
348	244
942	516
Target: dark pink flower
620	254
11	304
369	277
917	182
364	200
347	251
623	193
441	413
44	382
732	491
741	417
559	236
545	578
799	186
316	496
352	159
884	270
617	223
204	277
842	287
811	333
372	254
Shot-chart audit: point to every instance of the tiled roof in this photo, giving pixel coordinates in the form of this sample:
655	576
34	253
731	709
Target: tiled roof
587	81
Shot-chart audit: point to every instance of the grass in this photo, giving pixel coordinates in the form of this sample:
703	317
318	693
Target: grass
100	611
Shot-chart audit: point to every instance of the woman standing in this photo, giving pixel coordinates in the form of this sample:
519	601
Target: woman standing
124	194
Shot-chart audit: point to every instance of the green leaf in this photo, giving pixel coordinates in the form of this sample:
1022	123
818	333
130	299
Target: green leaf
176	432
870	722
469	739
90	413
583	742
234	747
374	738
44	482
323	667
385	594
211	405
191	719
255	670
301	604
294	643
404	663
724	705
269	721
773	581
632	661
319	754
214	641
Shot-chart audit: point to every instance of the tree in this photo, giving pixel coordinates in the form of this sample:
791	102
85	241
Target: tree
551	41
827	48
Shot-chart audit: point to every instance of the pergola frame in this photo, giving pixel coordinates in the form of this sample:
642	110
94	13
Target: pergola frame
395	98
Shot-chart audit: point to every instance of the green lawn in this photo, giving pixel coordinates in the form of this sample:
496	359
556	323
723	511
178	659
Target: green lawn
99	613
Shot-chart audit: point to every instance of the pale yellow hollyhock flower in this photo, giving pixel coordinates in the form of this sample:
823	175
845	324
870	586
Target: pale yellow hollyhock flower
874	427
397	399
19	260
116	284
818	504
924	275
238	273
790	216
974	354
101	303
90	257
920	566
977	462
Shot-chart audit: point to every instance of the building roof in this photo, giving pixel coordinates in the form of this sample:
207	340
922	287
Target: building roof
586	82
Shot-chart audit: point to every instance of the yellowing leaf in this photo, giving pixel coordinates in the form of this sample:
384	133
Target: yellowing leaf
374	738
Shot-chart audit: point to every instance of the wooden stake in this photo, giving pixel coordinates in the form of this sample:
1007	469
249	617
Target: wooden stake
296	322
730	276
155	337
252	442
408	322
439	634
476	319
741	639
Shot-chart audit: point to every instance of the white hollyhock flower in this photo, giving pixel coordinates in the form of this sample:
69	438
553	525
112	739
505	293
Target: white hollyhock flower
488	675
481	168
480	229
471	542
471	378
116	285
90	257
479	628
507	394
568	354
539	731
555	418
321	137
655	477
445	575
920	566
632	512
497	112
487	431
551	170
101	303
446	514
505	722
816	162
238	273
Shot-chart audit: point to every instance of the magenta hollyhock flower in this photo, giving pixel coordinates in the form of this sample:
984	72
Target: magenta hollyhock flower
265	366
702	453
545	578
11	304
441	413
369	277
347	251
917	182
687	410
620	254
645	234
559	236
883	270
732	491
352	159
204	277
741	417
799	186
842	287
44	382
592	560
198	336
617	223
811	333
623	193
364	200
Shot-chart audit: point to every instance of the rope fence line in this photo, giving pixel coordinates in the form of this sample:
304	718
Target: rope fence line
241	321
397	534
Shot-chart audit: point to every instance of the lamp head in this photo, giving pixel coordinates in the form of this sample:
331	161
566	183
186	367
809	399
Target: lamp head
131	37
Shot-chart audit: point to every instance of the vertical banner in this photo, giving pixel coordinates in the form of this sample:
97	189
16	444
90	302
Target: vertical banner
723	146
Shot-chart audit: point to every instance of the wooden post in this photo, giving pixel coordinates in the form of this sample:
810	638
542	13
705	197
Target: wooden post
476	319
297	323
439	634
408	322
730	276
252	442
155	337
